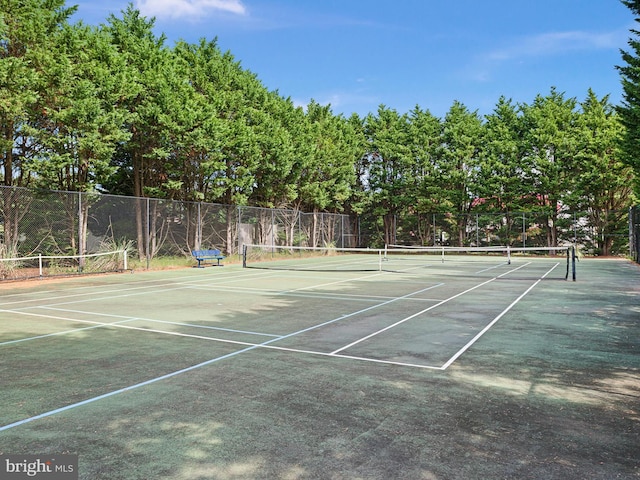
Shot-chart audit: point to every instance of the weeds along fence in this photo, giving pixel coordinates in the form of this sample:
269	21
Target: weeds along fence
75	223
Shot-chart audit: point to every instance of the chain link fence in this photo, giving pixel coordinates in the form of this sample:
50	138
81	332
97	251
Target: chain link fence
634	233
74	223
594	232
71	223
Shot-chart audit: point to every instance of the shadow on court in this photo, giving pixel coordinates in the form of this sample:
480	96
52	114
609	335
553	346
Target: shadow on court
228	374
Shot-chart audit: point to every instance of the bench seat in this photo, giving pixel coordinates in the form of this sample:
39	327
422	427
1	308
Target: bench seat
203	255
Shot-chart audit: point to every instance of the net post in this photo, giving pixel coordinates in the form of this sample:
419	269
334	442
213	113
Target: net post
125	261
443	254
40	263
573	262
508	254
566	276
244	255
380	259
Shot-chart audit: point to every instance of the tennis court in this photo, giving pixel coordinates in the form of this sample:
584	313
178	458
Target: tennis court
434	367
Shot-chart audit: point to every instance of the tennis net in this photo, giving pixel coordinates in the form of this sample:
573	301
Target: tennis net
35	266
398	258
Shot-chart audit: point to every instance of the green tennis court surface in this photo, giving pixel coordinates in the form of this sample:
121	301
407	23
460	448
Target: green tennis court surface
462	368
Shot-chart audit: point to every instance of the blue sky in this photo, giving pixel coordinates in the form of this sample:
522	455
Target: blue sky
359	54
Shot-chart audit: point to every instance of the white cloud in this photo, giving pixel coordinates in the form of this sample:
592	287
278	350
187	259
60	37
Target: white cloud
552	44
555	43
194	9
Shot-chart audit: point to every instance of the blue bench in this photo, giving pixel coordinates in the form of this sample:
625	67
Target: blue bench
203	255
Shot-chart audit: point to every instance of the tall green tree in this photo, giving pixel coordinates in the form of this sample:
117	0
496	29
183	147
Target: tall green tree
27	28
457	161
275	153
26	60
146	59
238	95
390	167
549	163
629	110
195	129
424	141
327	175
604	182
359	203
82	120
499	183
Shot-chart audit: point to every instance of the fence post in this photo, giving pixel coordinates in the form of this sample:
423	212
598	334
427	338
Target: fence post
81	240
239	227
435	240
631	232
198	239
477	230
148	232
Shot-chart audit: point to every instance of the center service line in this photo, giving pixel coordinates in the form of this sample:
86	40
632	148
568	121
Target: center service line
422	311
493	322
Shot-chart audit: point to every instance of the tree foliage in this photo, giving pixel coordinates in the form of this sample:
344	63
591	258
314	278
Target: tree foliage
629	110
115	109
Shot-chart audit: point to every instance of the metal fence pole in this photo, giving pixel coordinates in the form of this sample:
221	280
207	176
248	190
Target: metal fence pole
148	233
81	239
631	232
198	239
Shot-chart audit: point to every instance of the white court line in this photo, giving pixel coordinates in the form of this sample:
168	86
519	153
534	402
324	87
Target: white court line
423	311
142	289
414	365
351	357
321	295
337	282
202	337
493	322
65	332
92	299
173	287
129	327
144	319
86	294
248	347
177	286
119	293
156	288
127	286
122	390
388	362
254	346
492	268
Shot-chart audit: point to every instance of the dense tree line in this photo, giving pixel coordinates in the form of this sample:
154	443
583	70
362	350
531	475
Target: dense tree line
114	108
